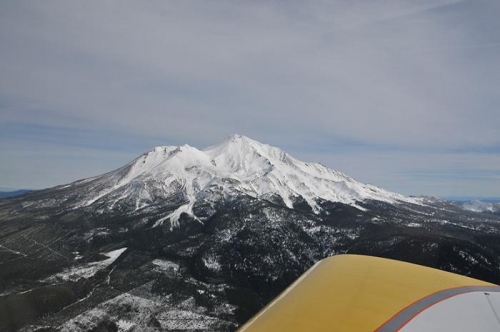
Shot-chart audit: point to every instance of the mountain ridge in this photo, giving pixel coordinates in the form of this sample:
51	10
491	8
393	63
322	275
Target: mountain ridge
13	193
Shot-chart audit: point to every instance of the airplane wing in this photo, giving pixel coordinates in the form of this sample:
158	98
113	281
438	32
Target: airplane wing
361	293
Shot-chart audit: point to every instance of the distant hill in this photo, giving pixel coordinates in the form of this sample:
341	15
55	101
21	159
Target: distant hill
5	194
472	198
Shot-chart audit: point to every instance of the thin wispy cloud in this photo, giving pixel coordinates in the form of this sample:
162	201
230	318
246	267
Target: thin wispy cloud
341	82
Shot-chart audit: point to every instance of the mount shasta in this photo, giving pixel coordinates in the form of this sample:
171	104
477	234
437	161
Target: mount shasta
189	239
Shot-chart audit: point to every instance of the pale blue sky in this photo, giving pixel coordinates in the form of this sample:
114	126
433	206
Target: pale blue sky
401	94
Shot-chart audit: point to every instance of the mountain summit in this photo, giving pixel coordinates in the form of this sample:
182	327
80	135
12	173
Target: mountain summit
185	176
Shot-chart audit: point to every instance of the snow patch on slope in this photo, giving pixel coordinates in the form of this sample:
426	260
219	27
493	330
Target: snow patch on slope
164	265
90	269
479	206
174	216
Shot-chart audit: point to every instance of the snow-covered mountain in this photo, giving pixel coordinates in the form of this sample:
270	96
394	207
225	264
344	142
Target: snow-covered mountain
238	165
246	219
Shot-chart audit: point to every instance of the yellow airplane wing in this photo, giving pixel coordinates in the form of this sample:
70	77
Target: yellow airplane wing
360	293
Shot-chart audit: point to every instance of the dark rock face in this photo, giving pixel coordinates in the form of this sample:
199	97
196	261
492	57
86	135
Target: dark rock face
68	270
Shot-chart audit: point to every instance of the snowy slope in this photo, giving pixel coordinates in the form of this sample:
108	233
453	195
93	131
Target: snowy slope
238	165
479	206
